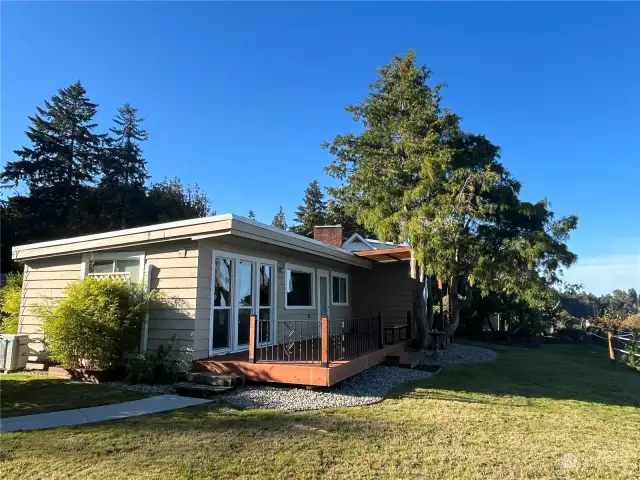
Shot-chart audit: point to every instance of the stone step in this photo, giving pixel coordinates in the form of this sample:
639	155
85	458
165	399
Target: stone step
190	389
216	379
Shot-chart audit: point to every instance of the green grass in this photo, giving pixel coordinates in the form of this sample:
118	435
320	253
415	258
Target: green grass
557	412
26	394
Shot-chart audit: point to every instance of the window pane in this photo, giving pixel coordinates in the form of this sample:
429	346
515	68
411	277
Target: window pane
221	328
335	290
265	285
222	289
245	284
298	289
103	266
131	266
244	315
343	290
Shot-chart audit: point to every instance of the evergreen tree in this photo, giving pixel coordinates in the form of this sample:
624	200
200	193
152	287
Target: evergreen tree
124	170
252	216
60	162
170	200
279	221
312	212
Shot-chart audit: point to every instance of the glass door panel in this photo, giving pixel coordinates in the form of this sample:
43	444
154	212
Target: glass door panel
222	303
245	297
265	304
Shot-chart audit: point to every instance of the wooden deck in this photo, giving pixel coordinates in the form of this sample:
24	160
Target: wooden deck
298	373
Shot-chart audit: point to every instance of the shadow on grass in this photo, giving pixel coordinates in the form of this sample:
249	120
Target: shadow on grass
23	394
561	372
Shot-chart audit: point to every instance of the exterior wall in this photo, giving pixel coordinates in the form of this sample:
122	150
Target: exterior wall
174	272
386	288
280	255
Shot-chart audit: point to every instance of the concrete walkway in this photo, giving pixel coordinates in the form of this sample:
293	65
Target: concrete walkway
81	416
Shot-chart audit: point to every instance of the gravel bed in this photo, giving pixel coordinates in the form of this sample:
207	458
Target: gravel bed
140	387
365	388
457	353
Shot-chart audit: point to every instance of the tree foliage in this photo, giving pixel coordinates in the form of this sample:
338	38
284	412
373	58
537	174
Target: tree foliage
279	220
312	212
252	215
10	299
412	174
75	180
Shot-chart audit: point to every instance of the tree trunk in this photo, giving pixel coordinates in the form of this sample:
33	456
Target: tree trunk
457	304
423	312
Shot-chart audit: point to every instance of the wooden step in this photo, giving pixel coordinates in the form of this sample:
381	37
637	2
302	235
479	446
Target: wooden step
216	379
190	389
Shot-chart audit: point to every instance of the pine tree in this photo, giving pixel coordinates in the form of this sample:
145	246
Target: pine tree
124	170
279	221
312	212
61	161
251	216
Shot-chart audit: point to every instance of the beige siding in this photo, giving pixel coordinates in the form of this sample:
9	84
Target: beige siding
280	255
386	288
174	272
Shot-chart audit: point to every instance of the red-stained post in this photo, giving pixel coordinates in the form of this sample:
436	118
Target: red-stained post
252	338
324	355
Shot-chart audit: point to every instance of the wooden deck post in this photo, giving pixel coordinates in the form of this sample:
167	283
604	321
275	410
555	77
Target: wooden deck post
324	353
253	331
380	331
612	352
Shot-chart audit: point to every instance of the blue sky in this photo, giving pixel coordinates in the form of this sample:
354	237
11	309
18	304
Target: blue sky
238	97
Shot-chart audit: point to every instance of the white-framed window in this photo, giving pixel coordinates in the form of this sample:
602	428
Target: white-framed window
339	289
299	287
128	264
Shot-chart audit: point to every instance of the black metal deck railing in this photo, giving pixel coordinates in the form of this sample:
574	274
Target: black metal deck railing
307	341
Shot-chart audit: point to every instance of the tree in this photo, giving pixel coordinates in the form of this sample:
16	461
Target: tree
124	170
61	161
279	221
413	175
251	216
170	200
312	212
337	215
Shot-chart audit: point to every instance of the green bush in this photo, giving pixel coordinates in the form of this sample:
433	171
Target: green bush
10	296
633	347
96	323
573	334
150	368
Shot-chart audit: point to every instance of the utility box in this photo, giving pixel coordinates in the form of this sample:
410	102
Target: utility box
14	352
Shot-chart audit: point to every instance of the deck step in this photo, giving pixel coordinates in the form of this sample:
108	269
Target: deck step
190	389
216	379
404	360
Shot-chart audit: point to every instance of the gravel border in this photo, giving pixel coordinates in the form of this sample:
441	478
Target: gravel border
365	388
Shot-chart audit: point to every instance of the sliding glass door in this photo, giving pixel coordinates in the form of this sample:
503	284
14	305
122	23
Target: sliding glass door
222	304
246	302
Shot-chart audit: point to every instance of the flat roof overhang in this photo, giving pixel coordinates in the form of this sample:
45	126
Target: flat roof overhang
195	229
386	255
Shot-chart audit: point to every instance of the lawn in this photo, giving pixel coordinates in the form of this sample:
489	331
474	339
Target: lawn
26	394
555	412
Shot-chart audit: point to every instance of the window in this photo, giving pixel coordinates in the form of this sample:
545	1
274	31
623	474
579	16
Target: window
339	289
299	287
130	264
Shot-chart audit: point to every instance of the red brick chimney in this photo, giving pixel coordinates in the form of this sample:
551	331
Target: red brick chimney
329	234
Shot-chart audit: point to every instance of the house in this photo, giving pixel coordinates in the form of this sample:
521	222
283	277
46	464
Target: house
251	297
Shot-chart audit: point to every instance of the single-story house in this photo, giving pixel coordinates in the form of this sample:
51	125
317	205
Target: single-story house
248	293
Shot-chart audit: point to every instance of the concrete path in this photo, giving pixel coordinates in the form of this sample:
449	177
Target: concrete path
81	416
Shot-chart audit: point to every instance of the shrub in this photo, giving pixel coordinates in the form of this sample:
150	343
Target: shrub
572	334
633	347
150	368
632	322
10	296
97	322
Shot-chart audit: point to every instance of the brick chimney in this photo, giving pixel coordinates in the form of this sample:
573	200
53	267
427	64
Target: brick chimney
329	234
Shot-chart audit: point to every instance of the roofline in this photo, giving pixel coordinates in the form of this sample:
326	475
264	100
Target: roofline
357	236
225	224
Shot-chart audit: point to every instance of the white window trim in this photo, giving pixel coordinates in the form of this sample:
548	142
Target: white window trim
346	292
87	257
300	268
236	257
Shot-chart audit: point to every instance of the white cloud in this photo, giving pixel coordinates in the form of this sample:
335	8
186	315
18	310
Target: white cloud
603	274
